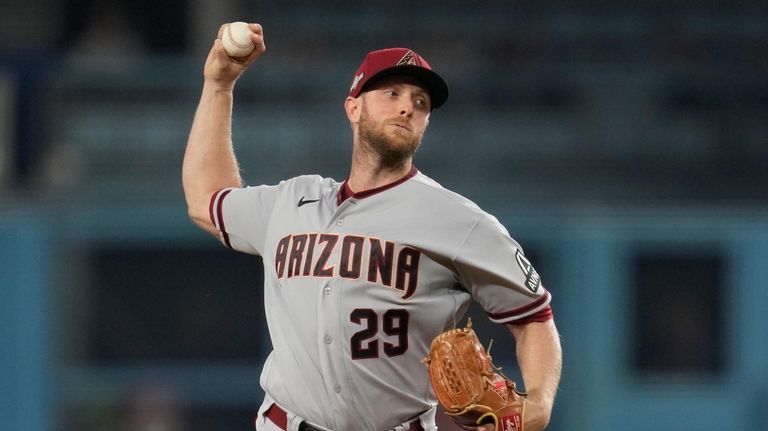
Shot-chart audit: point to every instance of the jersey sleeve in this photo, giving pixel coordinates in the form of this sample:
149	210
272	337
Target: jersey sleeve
494	269
242	215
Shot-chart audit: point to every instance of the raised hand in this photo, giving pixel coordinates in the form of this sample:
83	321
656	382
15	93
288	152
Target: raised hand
223	70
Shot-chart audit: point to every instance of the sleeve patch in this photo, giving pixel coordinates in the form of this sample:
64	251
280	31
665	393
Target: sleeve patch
532	278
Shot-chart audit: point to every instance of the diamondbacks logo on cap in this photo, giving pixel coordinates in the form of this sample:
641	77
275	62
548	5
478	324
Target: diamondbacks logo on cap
356	81
408	58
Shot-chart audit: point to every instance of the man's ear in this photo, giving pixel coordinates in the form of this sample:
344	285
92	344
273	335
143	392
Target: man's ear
353	107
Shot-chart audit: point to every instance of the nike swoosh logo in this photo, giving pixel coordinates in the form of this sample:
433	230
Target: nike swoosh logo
303	201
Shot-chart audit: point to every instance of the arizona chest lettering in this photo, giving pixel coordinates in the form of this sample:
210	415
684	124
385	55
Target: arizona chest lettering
377	261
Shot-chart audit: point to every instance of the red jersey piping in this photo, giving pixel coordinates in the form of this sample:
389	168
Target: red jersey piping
345	192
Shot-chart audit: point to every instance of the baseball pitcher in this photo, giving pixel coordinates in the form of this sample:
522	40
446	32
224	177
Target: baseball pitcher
362	275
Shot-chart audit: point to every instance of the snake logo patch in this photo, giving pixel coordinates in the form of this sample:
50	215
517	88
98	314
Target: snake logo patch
532	279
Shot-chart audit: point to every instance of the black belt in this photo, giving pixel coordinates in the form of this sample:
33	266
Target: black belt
279	417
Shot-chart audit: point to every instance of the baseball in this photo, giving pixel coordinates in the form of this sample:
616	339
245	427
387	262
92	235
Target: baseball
236	39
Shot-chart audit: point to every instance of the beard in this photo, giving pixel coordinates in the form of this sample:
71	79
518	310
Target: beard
392	149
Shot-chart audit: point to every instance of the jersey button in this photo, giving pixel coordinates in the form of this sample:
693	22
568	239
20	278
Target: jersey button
340	222
327	290
337	388
328	339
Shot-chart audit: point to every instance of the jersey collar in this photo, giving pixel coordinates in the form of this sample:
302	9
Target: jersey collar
345	192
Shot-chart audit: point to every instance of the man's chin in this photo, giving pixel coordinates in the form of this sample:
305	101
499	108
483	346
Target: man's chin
402	140
399	155
403	146
394	147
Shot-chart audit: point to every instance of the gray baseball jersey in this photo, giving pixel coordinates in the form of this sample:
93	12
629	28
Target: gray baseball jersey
355	290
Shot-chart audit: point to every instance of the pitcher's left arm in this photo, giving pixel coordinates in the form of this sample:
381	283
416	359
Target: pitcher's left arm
540	358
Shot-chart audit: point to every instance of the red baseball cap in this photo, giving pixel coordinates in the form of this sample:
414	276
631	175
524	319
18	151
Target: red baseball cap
399	61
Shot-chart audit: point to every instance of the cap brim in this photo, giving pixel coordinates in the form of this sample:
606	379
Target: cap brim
433	83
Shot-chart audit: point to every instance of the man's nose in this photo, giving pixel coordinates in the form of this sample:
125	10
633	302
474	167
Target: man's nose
406	108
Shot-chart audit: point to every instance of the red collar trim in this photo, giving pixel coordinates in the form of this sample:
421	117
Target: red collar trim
345	192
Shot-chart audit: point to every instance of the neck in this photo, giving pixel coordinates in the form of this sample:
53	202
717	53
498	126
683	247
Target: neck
369	173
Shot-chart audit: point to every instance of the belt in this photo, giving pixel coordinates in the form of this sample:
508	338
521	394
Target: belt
279	417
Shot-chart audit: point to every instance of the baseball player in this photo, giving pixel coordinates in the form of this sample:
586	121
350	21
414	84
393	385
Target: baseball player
361	275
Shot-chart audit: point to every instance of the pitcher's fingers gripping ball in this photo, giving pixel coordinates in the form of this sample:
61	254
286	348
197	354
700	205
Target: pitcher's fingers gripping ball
224	69
242	41
236	39
469	387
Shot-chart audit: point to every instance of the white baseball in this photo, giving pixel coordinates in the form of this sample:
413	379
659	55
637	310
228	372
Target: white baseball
236	39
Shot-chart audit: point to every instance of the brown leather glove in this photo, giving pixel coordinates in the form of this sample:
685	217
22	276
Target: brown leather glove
469	387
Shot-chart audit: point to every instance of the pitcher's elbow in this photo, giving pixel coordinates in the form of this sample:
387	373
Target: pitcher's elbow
202	220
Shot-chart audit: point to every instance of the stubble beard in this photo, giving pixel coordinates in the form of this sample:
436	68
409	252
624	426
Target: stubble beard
392	150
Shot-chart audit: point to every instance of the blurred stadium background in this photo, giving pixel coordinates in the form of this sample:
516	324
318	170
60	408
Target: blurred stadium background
624	144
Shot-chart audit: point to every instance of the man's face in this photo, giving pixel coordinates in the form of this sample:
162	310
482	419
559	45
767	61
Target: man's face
394	116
